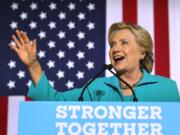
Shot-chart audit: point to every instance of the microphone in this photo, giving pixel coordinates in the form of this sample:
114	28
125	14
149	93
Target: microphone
109	67
98	74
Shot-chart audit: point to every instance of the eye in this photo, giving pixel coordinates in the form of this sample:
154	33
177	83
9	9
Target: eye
124	42
112	44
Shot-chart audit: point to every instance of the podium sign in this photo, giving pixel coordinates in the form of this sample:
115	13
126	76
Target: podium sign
99	118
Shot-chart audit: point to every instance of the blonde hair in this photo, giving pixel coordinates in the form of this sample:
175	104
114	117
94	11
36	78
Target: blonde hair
143	39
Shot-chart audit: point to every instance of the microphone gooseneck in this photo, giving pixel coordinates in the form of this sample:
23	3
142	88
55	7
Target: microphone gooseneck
109	67
98	74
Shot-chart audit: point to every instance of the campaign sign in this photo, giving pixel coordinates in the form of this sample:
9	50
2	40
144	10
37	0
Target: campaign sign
99	118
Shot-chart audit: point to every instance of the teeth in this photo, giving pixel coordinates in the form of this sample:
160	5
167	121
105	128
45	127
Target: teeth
118	57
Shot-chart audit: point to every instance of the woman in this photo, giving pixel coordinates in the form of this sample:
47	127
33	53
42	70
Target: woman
131	57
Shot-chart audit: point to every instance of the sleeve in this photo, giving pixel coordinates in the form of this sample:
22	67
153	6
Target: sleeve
43	91
175	92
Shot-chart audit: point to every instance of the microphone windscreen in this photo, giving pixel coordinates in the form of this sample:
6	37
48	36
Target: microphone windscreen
109	66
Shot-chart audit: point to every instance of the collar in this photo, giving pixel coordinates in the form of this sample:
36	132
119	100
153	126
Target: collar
146	79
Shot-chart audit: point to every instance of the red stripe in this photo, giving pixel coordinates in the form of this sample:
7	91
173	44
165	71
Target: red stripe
3	115
130	11
27	99
161	37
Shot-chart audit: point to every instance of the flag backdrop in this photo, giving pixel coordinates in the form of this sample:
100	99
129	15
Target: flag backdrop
72	43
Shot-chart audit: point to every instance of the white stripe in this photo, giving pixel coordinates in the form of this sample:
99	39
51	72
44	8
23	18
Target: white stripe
13	110
174	34
145	17
113	14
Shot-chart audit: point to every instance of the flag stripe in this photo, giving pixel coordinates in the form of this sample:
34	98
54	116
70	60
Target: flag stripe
145	18
27	99
145	15
161	37
13	114
174	23
130	11
113	14
3	115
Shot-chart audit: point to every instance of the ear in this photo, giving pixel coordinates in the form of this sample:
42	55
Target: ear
143	54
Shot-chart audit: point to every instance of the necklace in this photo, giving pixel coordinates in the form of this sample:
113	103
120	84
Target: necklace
125	87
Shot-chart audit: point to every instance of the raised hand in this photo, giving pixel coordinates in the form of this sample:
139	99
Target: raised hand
25	49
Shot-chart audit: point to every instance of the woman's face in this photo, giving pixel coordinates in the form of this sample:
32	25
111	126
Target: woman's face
125	54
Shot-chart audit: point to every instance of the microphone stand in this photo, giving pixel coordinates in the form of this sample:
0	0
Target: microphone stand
82	92
109	67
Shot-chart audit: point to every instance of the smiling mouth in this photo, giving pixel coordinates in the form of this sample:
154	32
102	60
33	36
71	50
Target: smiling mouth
118	59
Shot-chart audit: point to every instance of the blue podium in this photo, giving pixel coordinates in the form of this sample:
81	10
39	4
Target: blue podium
99	118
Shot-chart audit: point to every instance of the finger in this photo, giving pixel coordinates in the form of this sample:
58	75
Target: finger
14	47
25	37
20	38
34	45
16	41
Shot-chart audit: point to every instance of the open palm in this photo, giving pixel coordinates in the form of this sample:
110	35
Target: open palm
25	49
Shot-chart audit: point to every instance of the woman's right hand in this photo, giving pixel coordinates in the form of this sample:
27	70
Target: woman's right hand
25	49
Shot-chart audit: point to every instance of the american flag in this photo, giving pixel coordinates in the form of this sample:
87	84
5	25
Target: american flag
72	43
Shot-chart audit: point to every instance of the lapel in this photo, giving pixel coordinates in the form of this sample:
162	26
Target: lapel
146	79
113	82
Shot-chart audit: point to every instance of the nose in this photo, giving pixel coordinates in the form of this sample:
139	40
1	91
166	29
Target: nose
116	48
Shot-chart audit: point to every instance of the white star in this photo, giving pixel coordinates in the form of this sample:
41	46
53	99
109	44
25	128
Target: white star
70	84
62	15
81	35
41	54
90	65
80	55
33	25
23	16
52	6
61	34
21	74
51	83
70	64
52	25
14	6
70	45
91	6
12	43
71	25
90	45
60	74
71	6
33	6
80	75
12	64
11	84
13	25
51	64
42	34
29	83
61	54
90	26
51	44
81	16
42	15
